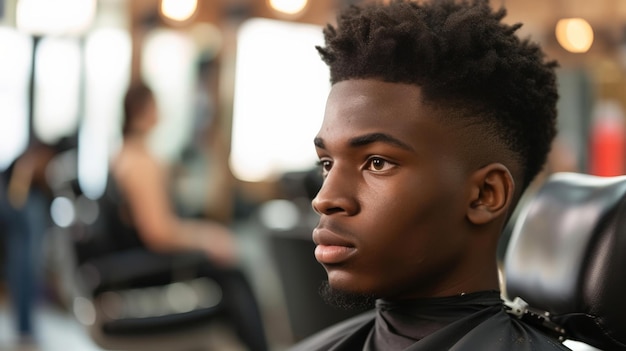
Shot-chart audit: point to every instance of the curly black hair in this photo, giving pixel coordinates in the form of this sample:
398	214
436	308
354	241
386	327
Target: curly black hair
460	54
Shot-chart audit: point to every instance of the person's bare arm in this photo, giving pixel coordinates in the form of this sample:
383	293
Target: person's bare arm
144	185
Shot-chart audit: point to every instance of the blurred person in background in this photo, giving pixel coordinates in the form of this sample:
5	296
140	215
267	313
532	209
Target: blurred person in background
24	218
146	207
144	182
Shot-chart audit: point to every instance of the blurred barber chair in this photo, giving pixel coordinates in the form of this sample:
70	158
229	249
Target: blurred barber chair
564	265
129	299
289	224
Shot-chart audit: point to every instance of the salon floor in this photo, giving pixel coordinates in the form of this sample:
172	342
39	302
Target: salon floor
57	331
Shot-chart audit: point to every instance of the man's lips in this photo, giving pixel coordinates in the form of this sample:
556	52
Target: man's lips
331	248
330	254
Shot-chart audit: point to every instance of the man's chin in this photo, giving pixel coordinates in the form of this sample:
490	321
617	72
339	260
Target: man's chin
346	300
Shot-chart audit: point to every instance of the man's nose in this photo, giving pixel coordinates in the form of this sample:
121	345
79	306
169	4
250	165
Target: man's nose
336	195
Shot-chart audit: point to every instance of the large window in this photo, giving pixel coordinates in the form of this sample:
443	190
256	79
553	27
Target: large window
57	88
107	67
15	58
281	86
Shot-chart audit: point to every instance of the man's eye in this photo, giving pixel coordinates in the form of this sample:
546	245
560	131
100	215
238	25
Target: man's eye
325	166
378	164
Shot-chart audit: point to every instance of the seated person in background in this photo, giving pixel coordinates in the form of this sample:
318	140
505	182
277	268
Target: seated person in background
438	118
142	184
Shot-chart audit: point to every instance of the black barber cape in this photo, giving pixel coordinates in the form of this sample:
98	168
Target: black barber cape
469	322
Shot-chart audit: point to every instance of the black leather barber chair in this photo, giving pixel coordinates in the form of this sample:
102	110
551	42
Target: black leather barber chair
129	298
565	265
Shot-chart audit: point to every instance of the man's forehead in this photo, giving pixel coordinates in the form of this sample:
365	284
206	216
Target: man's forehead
355	100
374	90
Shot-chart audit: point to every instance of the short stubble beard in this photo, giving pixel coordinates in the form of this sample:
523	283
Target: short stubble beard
346	300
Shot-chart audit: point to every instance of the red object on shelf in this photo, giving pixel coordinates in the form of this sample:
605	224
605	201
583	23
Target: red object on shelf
608	142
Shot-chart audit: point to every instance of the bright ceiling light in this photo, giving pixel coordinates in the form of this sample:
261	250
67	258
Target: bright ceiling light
574	34
289	7
178	10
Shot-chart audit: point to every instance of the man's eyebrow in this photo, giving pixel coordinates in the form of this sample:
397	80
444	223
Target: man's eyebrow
379	137
319	142
367	139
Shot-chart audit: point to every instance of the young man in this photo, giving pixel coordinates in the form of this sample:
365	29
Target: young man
437	120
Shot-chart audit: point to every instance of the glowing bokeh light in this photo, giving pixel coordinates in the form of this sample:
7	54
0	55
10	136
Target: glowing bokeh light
178	10
574	34
290	7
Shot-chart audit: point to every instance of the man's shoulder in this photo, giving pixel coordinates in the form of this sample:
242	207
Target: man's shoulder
332	335
508	333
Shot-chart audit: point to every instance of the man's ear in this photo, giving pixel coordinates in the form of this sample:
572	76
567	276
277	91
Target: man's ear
491	194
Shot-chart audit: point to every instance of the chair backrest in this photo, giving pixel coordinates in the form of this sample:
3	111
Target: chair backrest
112	231
567	257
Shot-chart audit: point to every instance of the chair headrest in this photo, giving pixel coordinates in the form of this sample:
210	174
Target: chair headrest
567	257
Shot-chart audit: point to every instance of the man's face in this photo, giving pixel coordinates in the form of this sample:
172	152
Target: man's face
394	197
